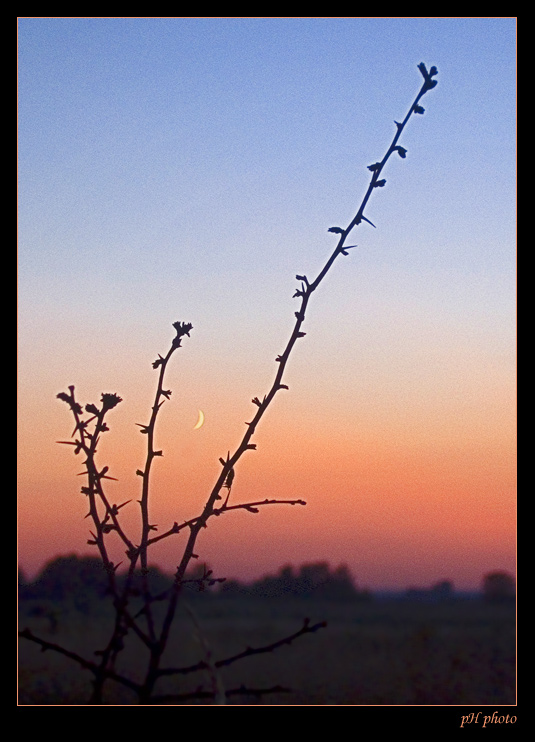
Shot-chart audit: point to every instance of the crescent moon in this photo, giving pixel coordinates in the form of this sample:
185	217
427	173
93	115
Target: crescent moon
200	421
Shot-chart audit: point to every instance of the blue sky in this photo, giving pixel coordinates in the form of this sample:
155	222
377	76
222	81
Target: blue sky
187	169
159	151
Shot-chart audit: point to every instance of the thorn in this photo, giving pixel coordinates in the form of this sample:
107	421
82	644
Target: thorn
115	508
344	250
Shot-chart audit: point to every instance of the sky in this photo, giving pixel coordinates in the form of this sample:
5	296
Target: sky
187	169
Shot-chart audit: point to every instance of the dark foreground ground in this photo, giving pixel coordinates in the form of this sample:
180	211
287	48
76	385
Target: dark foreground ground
377	653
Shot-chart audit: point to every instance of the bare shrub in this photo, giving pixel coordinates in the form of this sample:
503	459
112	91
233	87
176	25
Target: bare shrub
146	625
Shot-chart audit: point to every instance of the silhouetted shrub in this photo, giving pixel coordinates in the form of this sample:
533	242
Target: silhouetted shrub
310	580
498	587
70	577
66	575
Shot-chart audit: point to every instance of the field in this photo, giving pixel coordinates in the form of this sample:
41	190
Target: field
459	652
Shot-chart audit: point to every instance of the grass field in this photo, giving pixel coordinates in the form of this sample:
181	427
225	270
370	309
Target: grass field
371	653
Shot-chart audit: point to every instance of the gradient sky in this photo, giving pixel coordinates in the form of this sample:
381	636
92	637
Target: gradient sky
187	169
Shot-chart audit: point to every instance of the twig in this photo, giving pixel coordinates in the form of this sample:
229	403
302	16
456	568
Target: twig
304	292
86	664
306	628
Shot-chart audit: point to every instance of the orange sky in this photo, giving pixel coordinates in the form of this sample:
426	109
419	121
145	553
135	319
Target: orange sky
404	489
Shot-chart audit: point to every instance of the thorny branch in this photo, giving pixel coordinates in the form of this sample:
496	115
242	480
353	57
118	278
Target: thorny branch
86	442
306	628
304	292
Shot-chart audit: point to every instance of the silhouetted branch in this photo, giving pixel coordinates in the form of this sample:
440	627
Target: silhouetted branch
252	507
105	514
307	288
86	664
306	628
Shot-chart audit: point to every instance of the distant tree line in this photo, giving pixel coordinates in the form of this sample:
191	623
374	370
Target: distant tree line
73	577
82	578
499	587
309	580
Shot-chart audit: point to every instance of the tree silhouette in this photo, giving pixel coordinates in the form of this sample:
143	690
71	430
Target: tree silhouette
91	423
498	587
